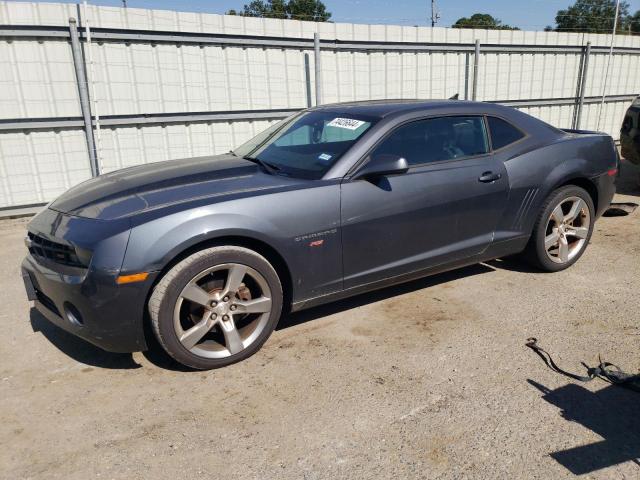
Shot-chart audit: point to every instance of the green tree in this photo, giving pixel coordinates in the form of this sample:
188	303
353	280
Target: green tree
261	8
312	10
634	22
482	20
594	16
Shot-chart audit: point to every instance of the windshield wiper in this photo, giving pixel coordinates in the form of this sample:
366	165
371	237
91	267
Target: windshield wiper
269	167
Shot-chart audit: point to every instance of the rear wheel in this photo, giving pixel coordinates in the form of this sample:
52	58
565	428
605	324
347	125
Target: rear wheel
216	307
563	229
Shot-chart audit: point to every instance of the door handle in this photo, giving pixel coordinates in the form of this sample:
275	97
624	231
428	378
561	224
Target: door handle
488	177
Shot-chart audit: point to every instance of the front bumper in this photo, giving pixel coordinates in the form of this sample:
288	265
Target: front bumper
88	302
105	314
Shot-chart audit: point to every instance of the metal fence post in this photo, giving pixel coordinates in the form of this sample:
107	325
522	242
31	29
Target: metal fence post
318	67
576	98
476	61
583	84
307	79
85	107
466	76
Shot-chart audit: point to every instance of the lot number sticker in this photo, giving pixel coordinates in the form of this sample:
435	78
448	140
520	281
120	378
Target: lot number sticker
348	123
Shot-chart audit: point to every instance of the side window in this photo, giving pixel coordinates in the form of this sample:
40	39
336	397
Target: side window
436	139
502	133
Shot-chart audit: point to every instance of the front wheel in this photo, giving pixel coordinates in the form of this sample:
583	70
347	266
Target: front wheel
216	307
563	229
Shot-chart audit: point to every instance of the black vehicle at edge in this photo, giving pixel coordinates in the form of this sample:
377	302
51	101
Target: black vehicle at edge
331	202
630	133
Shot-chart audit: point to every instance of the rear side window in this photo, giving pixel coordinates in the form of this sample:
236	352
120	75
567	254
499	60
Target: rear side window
502	133
436	139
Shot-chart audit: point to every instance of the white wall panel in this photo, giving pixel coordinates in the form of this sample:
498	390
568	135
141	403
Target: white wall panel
125	147
38	166
37	80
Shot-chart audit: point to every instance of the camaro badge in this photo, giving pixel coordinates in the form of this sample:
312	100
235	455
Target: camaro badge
315	237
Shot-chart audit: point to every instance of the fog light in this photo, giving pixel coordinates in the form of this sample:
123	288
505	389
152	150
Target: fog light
73	315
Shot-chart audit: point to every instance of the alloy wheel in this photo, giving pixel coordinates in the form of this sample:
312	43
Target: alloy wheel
567	230
222	310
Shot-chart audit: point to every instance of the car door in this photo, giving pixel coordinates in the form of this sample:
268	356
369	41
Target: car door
444	208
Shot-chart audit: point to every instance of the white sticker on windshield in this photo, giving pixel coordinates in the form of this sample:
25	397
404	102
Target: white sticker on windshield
348	123
325	157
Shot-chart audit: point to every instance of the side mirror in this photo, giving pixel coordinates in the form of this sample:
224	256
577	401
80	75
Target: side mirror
383	164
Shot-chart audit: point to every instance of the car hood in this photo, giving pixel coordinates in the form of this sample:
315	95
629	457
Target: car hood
134	190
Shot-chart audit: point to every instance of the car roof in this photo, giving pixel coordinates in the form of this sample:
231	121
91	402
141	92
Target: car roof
385	108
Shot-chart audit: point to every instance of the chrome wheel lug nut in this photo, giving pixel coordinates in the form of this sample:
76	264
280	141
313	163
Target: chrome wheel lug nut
233	307
225	299
214	303
214	316
226	317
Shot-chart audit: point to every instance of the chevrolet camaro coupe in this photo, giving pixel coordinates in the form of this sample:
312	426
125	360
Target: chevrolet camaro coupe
331	202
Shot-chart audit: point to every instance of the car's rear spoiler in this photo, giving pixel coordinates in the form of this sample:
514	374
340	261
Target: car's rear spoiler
582	132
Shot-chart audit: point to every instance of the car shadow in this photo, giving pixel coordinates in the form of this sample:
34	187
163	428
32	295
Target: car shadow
86	353
613	413
156	355
513	264
78	349
350	303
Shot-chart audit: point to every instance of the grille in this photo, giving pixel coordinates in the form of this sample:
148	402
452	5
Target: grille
40	247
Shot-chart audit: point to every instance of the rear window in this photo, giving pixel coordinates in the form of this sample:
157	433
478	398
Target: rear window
502	133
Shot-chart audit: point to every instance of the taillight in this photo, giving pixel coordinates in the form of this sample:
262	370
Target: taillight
612	172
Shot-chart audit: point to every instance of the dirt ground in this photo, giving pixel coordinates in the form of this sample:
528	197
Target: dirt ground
430	379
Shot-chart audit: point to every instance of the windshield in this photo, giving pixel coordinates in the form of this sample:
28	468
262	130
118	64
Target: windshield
307	144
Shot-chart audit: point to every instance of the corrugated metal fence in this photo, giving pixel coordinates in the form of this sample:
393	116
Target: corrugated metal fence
173	84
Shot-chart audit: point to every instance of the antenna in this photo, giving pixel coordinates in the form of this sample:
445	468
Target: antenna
435	16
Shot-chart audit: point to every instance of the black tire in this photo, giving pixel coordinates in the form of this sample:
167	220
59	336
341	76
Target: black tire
168	290
535	252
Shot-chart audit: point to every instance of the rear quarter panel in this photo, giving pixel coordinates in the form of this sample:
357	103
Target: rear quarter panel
535	174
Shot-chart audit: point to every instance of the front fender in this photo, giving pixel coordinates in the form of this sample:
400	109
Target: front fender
153	245
289	222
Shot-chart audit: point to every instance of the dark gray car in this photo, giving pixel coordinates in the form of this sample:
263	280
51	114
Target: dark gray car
331	202
630	133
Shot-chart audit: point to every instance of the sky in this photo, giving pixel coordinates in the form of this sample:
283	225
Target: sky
527	14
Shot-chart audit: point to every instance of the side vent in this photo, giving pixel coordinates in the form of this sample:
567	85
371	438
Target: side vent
525	206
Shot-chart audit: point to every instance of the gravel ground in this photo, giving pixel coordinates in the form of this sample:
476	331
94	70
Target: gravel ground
430	379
